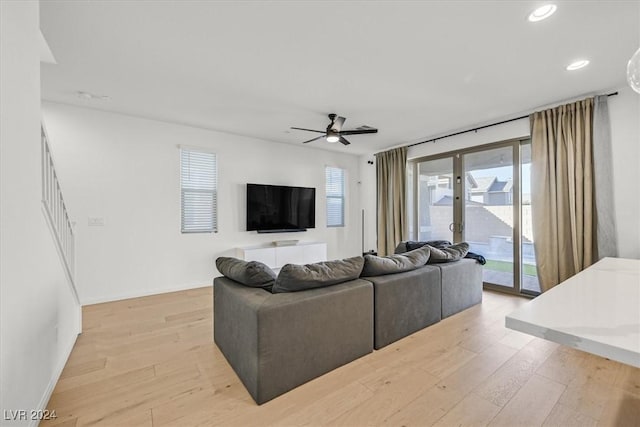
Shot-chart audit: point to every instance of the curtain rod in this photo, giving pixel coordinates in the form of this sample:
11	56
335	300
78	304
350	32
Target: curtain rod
479	127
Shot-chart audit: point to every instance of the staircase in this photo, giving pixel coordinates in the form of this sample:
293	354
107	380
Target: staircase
56	213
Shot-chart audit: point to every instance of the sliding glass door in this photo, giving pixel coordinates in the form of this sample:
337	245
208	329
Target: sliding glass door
489	214
480	195
433	194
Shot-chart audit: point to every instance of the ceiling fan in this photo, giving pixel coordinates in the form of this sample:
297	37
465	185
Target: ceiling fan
334	132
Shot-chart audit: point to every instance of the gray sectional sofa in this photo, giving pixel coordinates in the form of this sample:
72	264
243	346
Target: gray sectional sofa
278	341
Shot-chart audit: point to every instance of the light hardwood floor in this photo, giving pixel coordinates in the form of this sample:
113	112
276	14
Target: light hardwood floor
151	361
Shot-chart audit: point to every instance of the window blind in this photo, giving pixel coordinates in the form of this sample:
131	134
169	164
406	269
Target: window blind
334	181
198	188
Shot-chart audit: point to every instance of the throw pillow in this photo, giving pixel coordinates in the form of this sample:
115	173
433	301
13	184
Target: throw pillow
293	278
397	263
450	253
249	273
433	243
401	248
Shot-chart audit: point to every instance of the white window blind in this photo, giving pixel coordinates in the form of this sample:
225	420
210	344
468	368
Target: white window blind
198	188
334	179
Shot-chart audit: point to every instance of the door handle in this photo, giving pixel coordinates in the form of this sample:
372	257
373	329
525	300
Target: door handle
452	227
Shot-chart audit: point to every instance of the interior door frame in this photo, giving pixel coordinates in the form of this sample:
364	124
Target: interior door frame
458	203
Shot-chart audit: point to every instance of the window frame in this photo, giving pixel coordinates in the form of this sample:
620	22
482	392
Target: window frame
341	197
214	191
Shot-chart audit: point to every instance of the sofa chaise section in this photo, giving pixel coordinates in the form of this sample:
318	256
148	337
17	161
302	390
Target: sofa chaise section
276	342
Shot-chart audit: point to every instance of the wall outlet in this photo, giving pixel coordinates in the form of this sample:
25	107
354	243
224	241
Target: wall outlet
96	222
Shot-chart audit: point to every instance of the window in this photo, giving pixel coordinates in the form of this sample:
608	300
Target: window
198	188
334	179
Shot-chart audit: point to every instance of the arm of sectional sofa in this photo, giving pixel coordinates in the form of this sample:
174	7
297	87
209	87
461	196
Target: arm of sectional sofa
235	326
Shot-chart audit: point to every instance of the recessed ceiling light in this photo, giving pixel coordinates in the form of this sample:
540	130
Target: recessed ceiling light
576	65
543	12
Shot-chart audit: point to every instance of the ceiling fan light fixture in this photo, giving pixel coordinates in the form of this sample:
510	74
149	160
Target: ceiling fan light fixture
633	71
543	12
576	65
332	138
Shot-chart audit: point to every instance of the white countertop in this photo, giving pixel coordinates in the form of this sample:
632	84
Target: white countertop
597	311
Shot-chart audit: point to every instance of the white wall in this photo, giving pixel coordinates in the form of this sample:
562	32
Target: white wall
126	170
624	110
39	317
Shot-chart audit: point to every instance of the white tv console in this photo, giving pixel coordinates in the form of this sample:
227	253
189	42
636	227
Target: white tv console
277	256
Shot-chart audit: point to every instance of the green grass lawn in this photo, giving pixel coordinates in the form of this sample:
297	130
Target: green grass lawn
529	270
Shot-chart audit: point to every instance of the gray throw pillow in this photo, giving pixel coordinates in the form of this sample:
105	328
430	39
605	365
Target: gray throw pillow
450	253
294	277
249	273
401	248
379	266
433	243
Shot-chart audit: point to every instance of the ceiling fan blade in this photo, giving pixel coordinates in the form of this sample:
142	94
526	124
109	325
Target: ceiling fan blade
314	139
338	122
310	130
344	141
358	131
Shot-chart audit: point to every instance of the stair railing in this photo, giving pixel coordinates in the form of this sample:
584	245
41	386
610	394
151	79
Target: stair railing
56	211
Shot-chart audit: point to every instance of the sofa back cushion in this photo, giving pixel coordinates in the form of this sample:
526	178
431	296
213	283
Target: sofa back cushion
448	254
293	278
249	273
397	263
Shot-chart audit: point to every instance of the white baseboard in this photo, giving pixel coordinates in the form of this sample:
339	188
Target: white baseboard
145	293
53	381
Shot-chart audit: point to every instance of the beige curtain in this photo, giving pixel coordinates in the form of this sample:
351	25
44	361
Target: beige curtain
391	179
562	191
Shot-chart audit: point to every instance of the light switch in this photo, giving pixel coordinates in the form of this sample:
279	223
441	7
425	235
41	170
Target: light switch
96	222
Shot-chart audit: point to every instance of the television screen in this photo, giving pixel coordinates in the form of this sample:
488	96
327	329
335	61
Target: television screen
280	208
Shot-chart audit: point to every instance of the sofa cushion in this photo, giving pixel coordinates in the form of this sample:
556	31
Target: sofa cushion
448	254
397	263
249	273
294	277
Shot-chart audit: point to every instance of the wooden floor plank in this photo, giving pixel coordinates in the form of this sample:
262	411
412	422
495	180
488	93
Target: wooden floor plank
563	416
531	405
511	376
471	411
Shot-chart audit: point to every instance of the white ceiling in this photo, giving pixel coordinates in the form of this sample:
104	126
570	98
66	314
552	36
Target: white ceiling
412	69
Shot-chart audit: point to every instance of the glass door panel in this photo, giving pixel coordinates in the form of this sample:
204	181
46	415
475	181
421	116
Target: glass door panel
434	187
529	275
489	214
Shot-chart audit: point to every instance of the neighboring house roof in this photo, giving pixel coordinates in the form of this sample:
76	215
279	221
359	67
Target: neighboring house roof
491	184
501	186
483	184
471	180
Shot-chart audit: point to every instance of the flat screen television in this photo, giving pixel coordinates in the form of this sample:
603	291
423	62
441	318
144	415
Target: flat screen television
277	208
